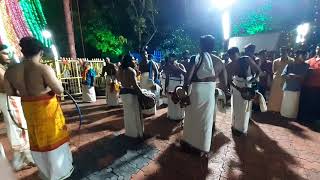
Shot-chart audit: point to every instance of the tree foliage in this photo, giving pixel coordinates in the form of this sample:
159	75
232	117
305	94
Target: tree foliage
142	14
106	42
179	41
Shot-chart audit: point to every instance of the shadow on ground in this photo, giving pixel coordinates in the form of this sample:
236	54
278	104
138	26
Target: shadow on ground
259	155
277	120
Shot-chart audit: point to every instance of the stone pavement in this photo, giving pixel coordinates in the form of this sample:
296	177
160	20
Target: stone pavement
275	148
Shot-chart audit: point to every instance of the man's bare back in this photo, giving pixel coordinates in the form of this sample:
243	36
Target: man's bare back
31	79
127	77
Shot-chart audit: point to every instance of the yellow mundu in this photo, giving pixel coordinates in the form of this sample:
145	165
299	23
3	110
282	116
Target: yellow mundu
46	123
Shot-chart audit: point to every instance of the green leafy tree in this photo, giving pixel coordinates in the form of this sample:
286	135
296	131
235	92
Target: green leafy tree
142	14
106	42
179	41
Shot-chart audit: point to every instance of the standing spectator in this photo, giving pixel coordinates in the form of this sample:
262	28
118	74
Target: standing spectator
276	93
294	75
310	94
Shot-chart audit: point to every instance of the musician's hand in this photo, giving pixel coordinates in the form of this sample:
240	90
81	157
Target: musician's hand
154	87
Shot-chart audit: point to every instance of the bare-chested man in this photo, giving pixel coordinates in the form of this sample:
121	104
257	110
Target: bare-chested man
112	95
205	70
149	71
149	79
14	118
37	85
243	71
174	73
133	121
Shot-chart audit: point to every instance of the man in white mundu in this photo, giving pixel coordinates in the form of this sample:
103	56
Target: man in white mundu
242	71
149	77
294	74
201	84
174	73
10	106
133	121
112	94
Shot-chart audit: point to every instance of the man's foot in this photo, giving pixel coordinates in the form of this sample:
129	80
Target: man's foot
238	133
18	162
28	159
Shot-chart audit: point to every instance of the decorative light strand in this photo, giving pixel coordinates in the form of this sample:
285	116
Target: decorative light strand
3	38
254	22
24	4
14	11
35	19
10	34
36	5
40	13
37	9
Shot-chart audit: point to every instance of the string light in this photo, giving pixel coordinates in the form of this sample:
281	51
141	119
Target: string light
33	13
3	38
10	34
254	22
15	13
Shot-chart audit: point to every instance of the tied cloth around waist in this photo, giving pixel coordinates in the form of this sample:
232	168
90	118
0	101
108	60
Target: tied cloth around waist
246	88
46	123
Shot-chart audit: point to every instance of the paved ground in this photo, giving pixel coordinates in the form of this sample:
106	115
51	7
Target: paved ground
275	148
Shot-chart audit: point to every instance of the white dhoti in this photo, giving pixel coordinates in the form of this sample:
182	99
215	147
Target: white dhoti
175	112
148	84
56	164
163	84
88	94
133	121
240	108
18	138
112	97
276	94
2	153
290	104
199	115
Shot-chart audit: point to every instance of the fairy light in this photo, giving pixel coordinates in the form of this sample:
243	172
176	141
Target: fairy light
35	19
36	5
14	11
3	38
10	34
33	25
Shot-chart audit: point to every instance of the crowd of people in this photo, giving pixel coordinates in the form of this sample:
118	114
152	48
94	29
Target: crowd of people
195	86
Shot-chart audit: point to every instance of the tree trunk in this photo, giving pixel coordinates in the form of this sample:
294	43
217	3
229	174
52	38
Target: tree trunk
140	41
69	25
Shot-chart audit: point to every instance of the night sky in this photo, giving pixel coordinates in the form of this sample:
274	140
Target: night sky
195	15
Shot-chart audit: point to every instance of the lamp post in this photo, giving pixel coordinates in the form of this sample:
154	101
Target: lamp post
302	31
224	6
48	35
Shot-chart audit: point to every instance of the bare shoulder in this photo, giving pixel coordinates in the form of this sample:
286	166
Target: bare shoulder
46	68
217	60
276	61
131	71
13	68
